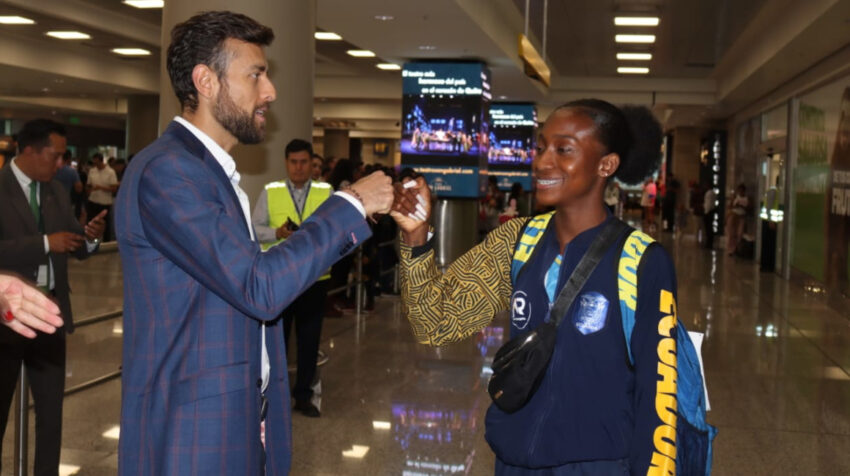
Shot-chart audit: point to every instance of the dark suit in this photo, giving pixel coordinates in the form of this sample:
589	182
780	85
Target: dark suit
197	293
21	252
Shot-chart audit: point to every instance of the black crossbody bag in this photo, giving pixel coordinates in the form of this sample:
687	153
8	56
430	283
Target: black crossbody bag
520	364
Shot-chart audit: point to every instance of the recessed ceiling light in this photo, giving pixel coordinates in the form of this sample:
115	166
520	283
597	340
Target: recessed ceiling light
384	17
15	20
69	35
145	3
389	66
634	56
381	425
636	21
326	35
427	47
361	53
635	38
131	51
632	70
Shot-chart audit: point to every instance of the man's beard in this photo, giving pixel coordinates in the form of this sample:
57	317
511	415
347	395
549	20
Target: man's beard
236	121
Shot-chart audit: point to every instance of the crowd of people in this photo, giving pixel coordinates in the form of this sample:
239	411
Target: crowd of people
204	378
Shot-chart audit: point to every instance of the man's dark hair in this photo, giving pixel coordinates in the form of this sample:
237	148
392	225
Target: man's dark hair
36	133
200	40
297	145
97	156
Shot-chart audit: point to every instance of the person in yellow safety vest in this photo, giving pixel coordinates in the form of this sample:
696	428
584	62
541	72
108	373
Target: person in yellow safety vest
281	209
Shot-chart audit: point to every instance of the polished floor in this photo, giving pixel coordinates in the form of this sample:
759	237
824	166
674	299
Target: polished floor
777	361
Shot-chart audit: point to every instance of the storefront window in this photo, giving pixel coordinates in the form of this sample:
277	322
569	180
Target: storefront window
822	186
774	123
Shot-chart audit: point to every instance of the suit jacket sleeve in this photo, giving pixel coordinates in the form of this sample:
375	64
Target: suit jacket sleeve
70	223
185	218
449	307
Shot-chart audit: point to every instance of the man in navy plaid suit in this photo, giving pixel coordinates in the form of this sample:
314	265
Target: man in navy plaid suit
204	364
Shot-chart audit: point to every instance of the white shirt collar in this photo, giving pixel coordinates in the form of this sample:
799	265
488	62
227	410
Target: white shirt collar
20	175
221	156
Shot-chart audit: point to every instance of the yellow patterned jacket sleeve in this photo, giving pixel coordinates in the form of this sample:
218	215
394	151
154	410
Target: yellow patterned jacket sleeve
444	308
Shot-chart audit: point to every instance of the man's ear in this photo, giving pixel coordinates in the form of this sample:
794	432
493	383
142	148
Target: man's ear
608	165
206	81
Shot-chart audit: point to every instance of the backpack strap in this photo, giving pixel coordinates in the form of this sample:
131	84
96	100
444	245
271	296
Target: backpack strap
529	237
627	281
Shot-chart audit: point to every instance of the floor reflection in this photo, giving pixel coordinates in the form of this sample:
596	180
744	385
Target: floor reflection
777	361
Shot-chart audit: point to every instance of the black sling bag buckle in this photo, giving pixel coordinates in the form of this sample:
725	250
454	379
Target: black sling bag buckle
520	364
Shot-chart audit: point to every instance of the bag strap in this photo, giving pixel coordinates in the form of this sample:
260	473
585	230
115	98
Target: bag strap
526	244
609	234
627	281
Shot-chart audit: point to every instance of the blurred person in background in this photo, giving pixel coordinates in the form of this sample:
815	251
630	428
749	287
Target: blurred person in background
736	218
317	164
341	177
38	231
281	209
612	196
101	187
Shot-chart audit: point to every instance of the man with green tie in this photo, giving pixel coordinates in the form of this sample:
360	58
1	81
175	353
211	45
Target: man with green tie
38	231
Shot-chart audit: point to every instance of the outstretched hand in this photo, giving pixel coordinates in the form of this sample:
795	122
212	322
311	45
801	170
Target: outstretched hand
25	309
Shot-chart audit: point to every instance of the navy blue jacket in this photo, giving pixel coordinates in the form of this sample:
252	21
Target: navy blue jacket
592	404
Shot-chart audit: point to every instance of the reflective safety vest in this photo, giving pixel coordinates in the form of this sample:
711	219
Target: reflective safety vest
282	207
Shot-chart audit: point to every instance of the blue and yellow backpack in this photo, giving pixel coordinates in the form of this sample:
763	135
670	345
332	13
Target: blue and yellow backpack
694	435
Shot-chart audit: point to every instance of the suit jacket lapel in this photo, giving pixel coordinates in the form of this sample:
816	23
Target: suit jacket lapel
197	149
19	201
49	208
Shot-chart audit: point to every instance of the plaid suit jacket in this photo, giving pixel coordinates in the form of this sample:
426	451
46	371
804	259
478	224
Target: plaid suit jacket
196	292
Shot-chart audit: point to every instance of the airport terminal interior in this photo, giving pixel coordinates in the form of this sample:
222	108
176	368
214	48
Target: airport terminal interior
748	92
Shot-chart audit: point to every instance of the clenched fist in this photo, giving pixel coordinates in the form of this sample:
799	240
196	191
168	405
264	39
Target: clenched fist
412	210
376	192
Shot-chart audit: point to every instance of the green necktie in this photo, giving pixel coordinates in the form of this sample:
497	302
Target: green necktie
36	212
36	209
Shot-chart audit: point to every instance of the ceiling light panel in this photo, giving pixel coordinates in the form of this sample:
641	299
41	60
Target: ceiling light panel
69	35
634	56
131	51
388	66
635	38
15	20
327	36
632	70
361	53
145	3
636	21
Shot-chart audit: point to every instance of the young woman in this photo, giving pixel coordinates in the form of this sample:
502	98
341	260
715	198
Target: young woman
594	412
736	219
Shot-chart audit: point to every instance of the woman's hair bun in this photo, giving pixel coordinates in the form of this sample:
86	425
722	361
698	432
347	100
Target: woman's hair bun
644	155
